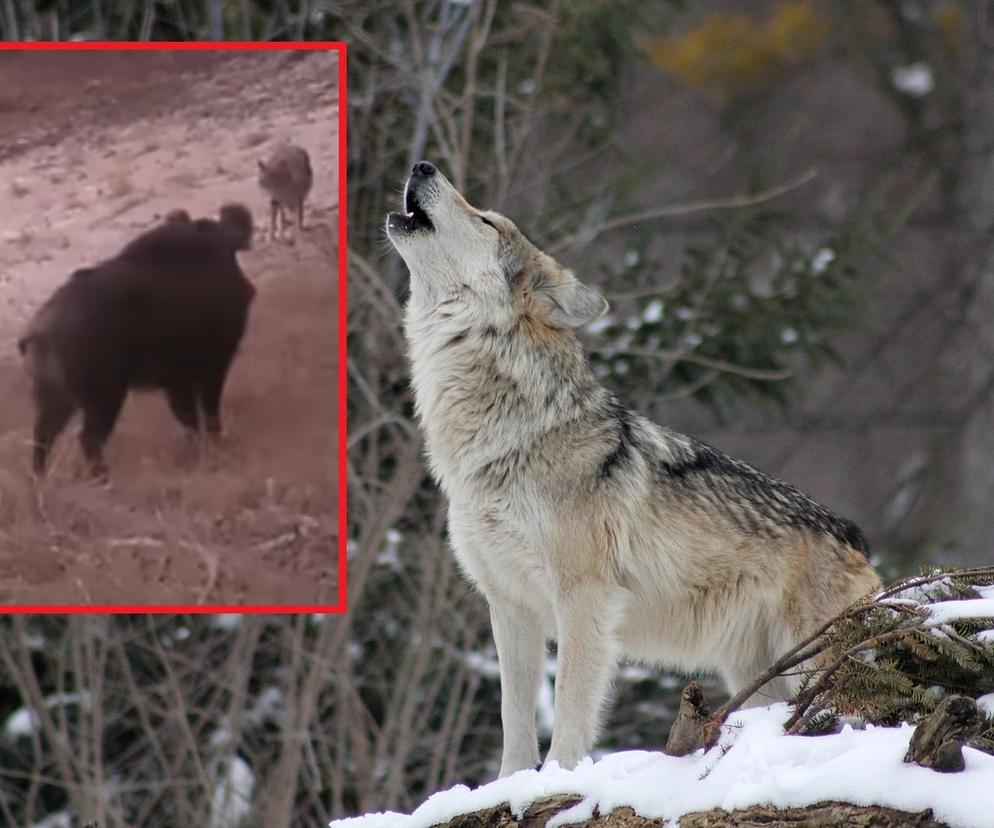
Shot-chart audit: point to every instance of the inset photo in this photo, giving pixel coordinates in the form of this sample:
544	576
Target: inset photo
169	327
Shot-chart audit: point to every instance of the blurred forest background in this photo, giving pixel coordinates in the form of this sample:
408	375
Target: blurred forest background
789	205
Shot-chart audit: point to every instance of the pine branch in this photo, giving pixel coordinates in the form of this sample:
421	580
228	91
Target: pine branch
882	658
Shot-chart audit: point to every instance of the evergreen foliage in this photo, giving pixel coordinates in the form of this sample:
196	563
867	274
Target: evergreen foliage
749	306
890	661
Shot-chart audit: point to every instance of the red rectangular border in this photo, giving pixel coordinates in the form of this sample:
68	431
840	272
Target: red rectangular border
342	605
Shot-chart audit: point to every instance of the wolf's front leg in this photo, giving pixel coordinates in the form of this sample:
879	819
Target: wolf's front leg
587	654
520	651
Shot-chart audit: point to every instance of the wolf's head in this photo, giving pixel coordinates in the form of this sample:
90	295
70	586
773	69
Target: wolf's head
455	250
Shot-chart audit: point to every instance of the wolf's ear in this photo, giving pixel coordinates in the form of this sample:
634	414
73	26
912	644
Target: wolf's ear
568	303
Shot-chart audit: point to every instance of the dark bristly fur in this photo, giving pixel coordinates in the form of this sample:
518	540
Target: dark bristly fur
167	312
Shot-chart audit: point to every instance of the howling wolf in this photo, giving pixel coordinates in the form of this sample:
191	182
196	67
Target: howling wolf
578	519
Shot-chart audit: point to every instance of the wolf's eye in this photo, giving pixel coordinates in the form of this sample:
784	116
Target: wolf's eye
485	220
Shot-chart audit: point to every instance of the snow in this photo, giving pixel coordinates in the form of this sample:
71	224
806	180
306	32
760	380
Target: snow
60	819
600	325
915	79
821	260
484	664
943	612
762	766
788	336
267	708
389	555
233	794
226	620
653	311
986	703
22	722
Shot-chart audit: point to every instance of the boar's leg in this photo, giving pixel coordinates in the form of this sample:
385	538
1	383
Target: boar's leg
53	409
100	413
300	214
209	392
183	404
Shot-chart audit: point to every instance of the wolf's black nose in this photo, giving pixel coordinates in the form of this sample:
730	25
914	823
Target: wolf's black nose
424	168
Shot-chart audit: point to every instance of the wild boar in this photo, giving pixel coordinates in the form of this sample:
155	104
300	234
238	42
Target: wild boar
168	313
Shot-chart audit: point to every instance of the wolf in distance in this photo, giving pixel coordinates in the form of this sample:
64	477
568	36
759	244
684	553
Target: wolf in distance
286	177
578	519
167	312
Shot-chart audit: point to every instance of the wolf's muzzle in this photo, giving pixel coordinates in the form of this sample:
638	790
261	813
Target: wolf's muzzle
423	170
414	217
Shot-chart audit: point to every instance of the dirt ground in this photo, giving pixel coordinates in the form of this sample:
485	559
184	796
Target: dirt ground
95	148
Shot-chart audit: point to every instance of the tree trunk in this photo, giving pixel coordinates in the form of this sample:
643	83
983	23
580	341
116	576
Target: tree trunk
937	743
819	815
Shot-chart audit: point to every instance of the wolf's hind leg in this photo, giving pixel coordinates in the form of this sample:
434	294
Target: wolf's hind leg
586	619
747	671
520	651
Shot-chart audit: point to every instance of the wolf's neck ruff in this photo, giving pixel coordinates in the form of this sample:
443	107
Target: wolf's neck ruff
486	396
578	519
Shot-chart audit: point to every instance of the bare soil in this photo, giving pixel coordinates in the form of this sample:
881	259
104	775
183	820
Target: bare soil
96	147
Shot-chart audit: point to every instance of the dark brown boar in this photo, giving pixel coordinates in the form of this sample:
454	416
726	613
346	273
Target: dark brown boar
168	312
181	235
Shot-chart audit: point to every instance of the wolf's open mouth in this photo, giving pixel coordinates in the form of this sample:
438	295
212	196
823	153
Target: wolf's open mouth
416	218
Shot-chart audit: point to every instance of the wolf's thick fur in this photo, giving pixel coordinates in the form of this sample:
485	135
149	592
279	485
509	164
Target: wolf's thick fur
577	518
286	177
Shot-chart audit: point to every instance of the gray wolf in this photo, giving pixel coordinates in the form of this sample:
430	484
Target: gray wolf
167	312
578	519
286	178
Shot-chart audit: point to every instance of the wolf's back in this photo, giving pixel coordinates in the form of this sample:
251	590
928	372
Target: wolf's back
757	503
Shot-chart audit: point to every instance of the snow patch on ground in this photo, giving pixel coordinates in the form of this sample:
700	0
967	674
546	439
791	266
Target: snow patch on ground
763	766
